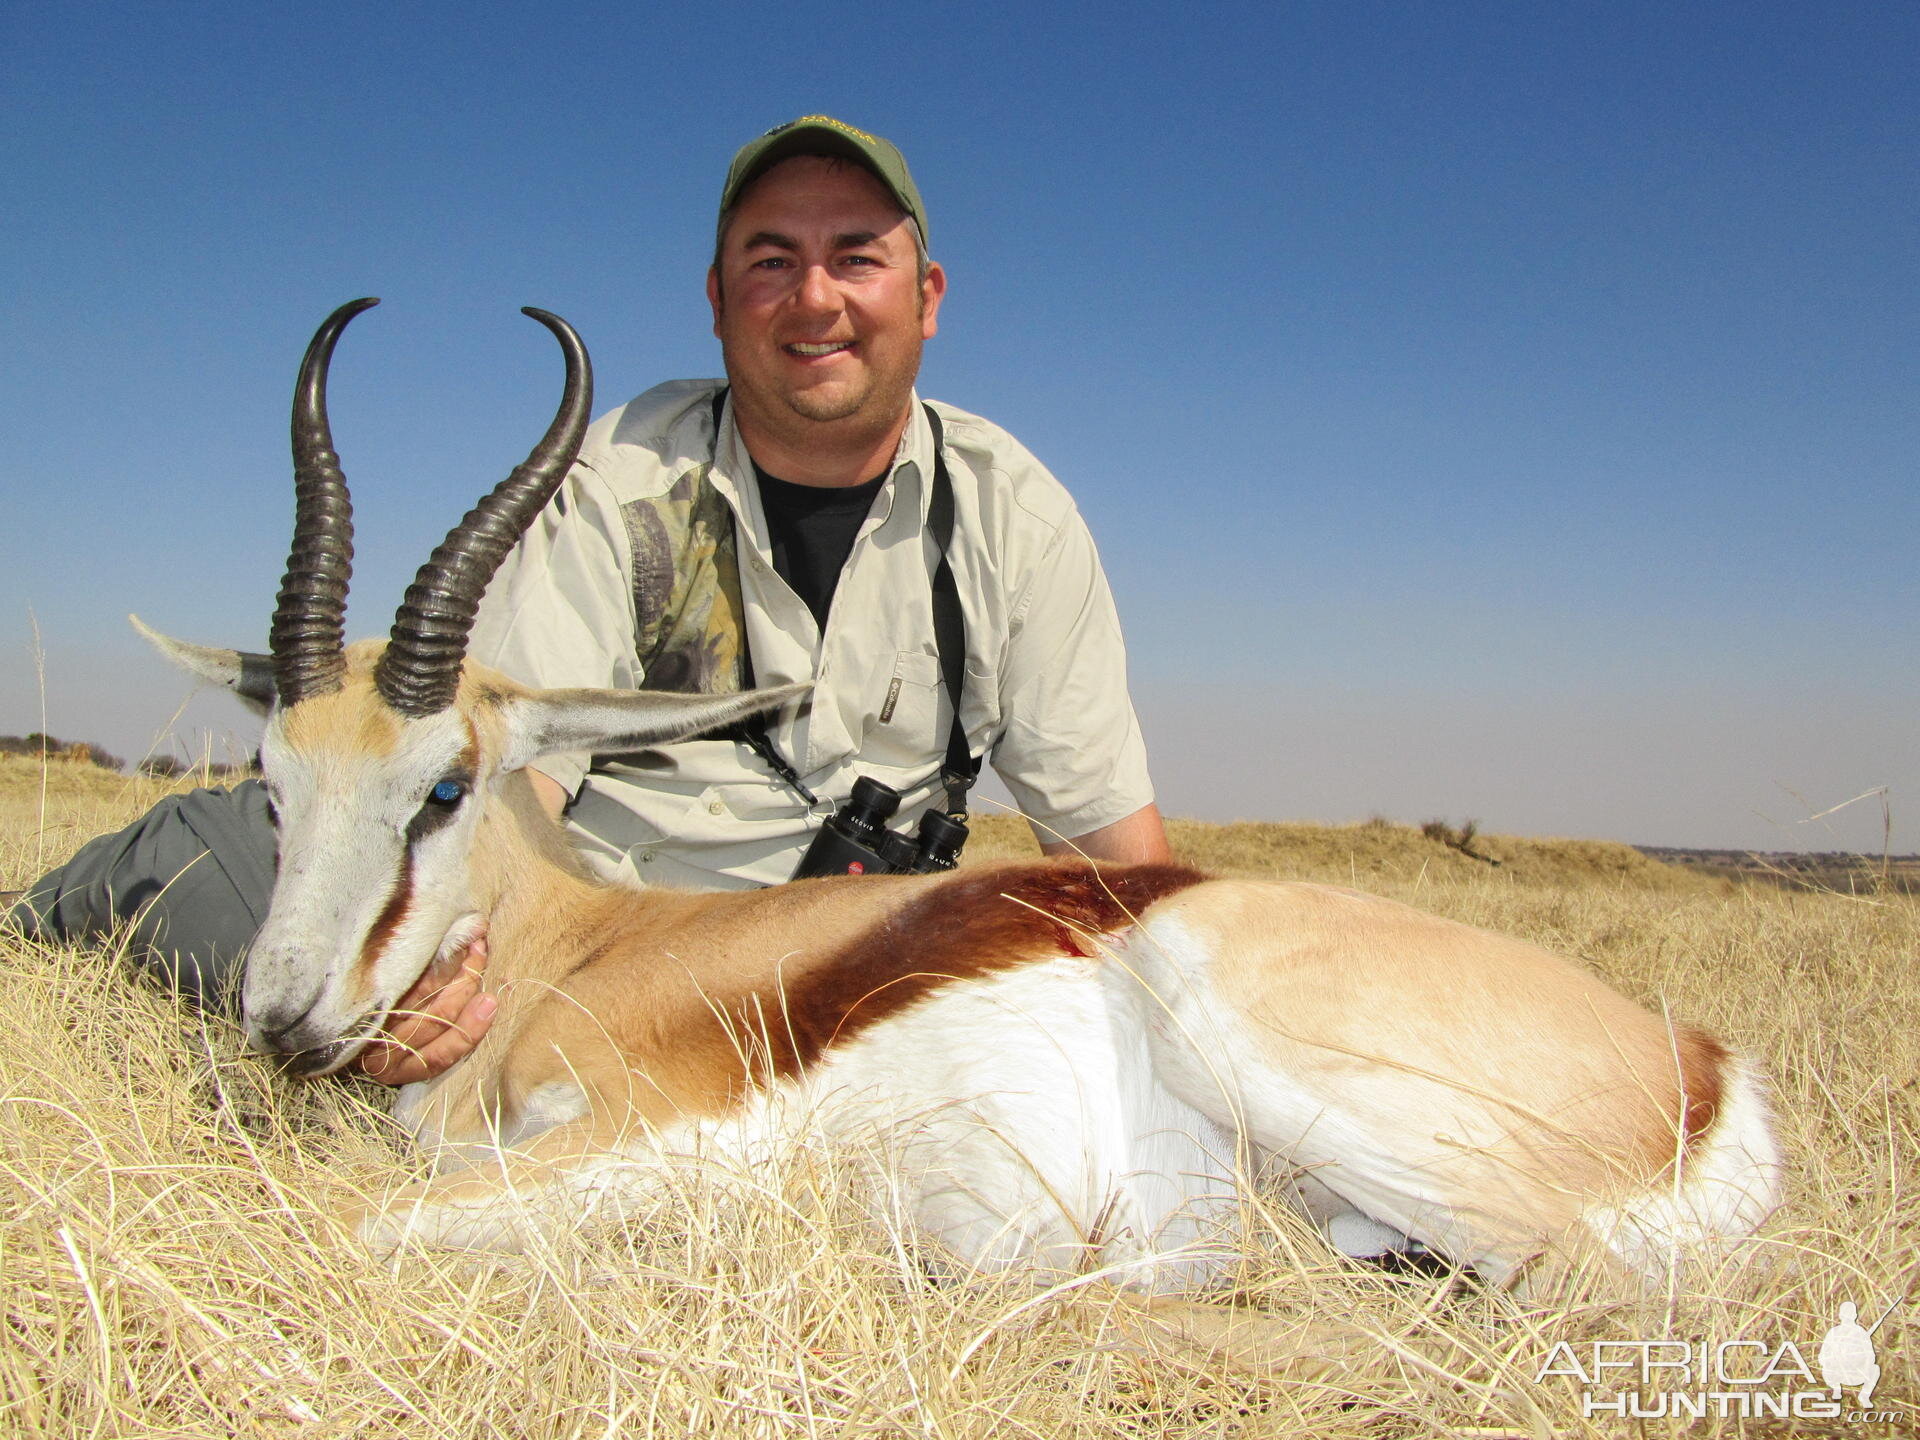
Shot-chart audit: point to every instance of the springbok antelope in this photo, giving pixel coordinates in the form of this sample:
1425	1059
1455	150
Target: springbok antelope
1074	1065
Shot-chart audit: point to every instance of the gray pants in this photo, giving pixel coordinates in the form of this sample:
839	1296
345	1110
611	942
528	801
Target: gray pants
192	875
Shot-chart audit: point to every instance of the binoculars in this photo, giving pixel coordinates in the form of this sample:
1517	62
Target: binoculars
856	840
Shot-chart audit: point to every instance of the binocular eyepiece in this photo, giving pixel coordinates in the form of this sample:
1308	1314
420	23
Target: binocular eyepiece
856	840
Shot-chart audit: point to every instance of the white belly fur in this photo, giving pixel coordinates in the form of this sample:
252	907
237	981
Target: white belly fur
1017	1120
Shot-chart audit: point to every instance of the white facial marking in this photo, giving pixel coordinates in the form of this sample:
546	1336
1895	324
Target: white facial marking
372	880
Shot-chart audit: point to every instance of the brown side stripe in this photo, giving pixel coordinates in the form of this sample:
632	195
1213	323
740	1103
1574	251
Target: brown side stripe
963	928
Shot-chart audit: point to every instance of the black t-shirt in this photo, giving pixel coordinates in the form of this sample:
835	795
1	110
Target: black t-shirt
810	529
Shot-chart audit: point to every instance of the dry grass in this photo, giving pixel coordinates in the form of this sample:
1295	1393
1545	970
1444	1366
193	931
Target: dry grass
167	1270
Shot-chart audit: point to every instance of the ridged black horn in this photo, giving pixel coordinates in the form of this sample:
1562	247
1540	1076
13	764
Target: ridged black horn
420	669
308	633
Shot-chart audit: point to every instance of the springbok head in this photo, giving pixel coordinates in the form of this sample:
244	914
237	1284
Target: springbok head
381	759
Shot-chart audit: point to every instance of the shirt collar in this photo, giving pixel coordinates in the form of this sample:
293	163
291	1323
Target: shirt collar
913	462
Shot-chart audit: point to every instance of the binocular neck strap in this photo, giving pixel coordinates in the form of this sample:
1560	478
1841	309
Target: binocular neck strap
960	768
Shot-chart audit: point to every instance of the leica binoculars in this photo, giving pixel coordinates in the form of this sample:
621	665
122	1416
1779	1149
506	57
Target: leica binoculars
856	840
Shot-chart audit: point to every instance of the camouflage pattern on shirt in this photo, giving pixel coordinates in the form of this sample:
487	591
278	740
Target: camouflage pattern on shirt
686	588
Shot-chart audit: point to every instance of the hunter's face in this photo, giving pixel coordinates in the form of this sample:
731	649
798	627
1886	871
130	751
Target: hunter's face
817	299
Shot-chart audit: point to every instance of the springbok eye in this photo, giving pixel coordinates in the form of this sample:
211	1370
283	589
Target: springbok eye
439	808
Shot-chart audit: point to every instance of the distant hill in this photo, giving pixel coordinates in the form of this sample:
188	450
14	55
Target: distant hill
1837	870
1376	850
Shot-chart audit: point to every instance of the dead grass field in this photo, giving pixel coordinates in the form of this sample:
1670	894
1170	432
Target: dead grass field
167	1272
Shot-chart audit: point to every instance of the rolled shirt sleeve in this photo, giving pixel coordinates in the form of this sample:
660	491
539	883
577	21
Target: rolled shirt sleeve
1070	751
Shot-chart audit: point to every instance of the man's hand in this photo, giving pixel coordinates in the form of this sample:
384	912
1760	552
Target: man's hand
434	1025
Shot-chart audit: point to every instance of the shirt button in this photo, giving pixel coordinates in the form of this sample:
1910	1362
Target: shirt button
647	859
716	808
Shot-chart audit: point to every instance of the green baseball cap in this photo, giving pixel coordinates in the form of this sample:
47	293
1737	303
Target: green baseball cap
824	135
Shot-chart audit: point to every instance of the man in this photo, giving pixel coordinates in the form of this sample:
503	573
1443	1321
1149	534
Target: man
779	531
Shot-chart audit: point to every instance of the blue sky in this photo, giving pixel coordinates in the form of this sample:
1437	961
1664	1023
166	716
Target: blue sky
1483	409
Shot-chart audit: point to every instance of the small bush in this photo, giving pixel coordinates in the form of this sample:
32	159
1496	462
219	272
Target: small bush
79	752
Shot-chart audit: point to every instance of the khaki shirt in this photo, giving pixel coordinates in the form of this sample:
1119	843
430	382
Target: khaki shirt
1045	696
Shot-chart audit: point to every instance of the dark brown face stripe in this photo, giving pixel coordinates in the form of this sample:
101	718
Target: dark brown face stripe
391	915
963	928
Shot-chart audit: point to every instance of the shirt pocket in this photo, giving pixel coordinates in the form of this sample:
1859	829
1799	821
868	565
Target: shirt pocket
902	729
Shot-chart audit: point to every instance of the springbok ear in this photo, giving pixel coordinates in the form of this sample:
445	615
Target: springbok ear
614	720
248	675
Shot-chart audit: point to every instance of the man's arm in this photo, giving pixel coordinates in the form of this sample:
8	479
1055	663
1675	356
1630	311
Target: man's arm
1069	746
1138	839
552	794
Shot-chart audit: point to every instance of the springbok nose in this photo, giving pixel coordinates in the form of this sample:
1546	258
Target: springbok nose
277	1033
